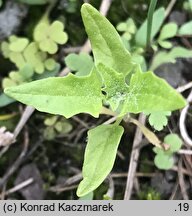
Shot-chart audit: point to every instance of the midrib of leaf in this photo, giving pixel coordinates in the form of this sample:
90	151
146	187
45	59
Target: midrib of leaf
100	159
108	45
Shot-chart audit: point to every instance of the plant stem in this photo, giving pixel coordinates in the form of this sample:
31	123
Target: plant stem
152	6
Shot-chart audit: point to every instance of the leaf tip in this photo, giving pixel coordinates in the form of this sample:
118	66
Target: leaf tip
81	191
8	91
85	6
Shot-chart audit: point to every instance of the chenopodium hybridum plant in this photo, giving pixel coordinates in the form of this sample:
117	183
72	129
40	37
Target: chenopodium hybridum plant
115	80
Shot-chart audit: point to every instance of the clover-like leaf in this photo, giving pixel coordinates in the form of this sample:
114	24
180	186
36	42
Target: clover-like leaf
5	49
163	161
99	157
34	57
19	45
174	141
158	119
48	36
164	158
58	35
128	27
66	96
50	64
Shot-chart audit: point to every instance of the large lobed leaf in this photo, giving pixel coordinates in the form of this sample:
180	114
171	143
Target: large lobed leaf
147	92
99	157
66	96
105	41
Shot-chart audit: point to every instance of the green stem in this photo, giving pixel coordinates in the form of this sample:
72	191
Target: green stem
151	10
51	5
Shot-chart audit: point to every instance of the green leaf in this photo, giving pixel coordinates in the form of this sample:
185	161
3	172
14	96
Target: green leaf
47	74
82	63
163	161
100	156
141	35
105	41
5	49
174	142
88	196
26	72
128	27
50	121
19	45
114	85
50	64
34	57
165	44
168	31
158	119
170	57
48	36
5	100
186	29
149	92
57	33
140	60
66	96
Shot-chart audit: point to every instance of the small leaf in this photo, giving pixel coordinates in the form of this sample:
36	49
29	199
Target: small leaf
168	31
106	43
141	35
165	44
5	100
170	57
50	121
50	64
5	49
7	82
57	33
186	29
48	36
100	156
174	142
34	57
82	63
159	119
65	96
19	45
26	72
128	28
163	161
